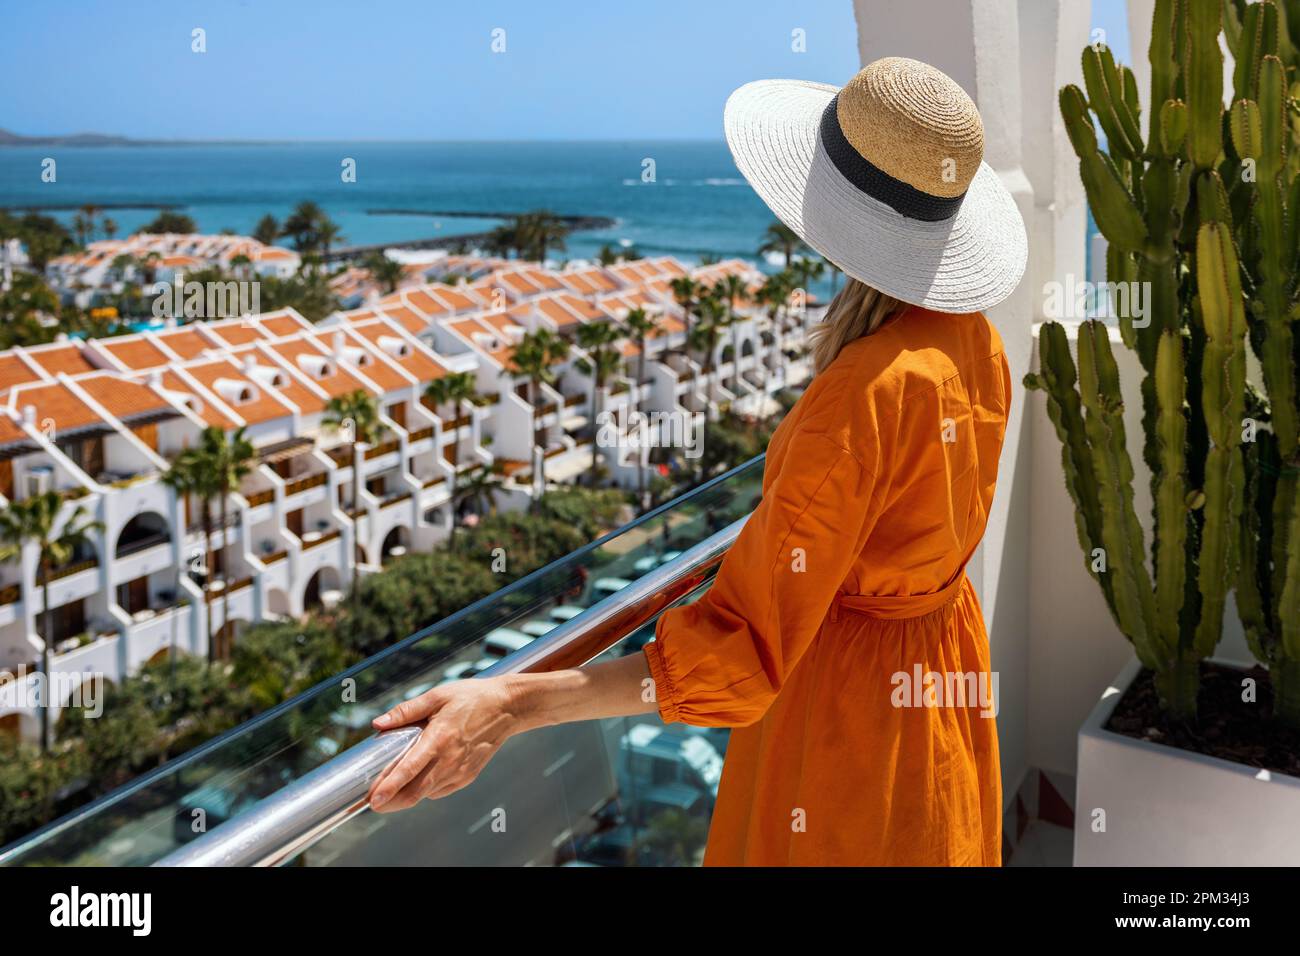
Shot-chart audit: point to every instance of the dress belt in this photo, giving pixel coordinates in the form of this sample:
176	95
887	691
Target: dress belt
897	607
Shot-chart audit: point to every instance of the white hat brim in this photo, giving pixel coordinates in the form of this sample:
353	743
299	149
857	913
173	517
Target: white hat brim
967	263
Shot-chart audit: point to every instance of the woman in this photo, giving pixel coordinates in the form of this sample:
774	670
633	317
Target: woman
841	636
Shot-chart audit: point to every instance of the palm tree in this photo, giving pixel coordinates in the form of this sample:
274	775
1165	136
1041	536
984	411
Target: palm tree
149	267
502	241
229	461
358	413
190	474
81	227
452	390
539	231
110	228
387	272
33	521
775	294
267	230
481	484
731	288
806	272
686	292
303	226
642	325
327	234
534	358
781	238
705	337
597	339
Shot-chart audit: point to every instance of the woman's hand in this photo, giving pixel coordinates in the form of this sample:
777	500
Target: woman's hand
465	724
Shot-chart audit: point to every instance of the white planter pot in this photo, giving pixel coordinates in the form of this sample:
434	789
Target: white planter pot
1169	807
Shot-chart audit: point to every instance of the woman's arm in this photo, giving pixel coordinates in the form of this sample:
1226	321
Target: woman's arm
468	721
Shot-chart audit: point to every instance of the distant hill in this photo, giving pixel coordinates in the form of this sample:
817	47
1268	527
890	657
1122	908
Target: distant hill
10	138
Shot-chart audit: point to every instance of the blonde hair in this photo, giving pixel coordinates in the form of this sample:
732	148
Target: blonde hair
857	310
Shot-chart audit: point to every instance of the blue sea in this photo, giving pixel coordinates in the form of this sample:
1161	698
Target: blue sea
696	204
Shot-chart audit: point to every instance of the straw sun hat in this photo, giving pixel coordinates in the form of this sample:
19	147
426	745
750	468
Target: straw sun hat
885	178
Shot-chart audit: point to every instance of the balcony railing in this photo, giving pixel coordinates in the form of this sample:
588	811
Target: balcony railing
230	588
148	541
286	784
302	484
382	449
261	497
70	569
326	536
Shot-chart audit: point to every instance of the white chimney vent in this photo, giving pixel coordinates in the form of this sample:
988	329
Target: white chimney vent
354	354
264	375
29	415
315	365
236	393
394	346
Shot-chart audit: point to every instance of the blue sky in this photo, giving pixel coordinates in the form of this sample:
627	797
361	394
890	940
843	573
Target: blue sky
402	69
413	69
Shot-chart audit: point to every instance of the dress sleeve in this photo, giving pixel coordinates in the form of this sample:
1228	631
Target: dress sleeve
721	661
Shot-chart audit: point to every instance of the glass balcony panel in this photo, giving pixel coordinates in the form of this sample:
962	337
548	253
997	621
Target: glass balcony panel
628	791
164	810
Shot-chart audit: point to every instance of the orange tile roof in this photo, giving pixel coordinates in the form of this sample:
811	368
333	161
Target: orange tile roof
543	278
210	414
459	301
516	282
598	279
135	352
470	329
10	432
416	361
263	408
425	303
282	323
186	343
406	318
581	306
122	398
294	391
338	382
378	370
236	331
56	402
14	371
60	358
557	313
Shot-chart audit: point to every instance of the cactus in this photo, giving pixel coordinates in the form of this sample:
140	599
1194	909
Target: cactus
1223	508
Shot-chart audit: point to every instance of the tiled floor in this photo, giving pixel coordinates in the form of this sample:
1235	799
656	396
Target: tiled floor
1044	844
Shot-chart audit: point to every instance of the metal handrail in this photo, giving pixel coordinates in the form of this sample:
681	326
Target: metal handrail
308	809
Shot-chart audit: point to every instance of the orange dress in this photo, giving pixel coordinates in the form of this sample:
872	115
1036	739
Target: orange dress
841	635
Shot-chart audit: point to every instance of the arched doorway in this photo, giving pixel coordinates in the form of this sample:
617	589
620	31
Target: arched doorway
396	543
145	530
320	584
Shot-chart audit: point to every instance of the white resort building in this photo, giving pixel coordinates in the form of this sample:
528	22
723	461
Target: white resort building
110	265
99	421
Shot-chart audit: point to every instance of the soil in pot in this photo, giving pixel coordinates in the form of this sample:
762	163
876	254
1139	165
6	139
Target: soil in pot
1227	727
